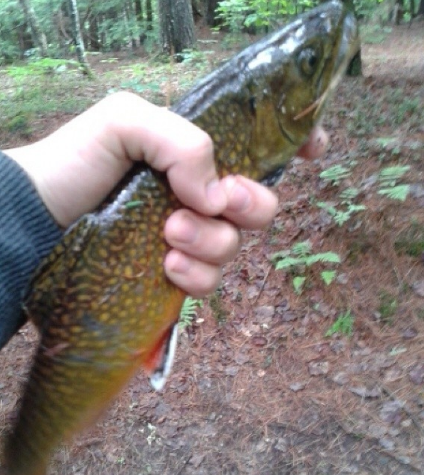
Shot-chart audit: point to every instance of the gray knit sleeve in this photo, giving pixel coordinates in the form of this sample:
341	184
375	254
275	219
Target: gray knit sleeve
28	232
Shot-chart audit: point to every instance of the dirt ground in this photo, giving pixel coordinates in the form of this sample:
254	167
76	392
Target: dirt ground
257	387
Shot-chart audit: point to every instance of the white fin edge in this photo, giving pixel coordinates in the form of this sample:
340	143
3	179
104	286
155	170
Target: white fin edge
160	375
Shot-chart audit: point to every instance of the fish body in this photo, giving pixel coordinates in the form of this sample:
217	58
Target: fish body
101	300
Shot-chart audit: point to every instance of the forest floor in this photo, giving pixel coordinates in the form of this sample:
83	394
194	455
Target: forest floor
259	385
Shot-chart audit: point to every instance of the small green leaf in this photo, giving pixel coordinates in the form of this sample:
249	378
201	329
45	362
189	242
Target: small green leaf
289	262
327	257
343	324
393	173
349	194
399	192
298	284
328	276
385	141
302	248
189	311
335	174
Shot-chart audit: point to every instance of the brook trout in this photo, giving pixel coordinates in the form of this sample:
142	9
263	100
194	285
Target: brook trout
101	301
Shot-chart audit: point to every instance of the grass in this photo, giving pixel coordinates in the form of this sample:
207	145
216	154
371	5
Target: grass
35	89
38	94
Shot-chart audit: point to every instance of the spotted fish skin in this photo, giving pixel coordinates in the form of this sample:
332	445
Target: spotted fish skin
101	300
104	311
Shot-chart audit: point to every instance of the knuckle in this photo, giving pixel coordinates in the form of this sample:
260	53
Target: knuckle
199	146
230	245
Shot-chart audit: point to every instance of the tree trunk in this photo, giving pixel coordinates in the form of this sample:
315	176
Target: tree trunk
94	33
138	8
79	44
421	8
176	26
149	15
197	14
210	8
355	66
38	37
128	14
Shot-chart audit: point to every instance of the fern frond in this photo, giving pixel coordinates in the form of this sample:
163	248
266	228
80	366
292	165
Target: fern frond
189	311
398	192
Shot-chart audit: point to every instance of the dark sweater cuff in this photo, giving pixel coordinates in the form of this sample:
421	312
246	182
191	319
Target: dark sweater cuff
28	233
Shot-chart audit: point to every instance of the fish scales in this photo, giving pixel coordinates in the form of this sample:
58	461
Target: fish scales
101	300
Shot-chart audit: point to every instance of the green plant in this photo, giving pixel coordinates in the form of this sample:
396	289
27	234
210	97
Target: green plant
388	179
362	122
19	124
407	107
335	174
194	56
328	276
188	312
298	283
138	87
387	307
343	325
39	67
340	216
233	13
300	255
237	14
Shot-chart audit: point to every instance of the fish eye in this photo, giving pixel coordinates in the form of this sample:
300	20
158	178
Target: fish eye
308	61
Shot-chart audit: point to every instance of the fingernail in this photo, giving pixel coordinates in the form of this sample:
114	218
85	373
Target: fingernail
216	195
187	231
239	197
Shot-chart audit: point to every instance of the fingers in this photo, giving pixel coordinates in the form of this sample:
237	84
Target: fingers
250	205
202	245
212	240
196	277
187	157
167	142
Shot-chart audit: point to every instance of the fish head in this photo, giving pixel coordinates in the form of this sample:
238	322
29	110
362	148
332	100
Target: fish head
290	76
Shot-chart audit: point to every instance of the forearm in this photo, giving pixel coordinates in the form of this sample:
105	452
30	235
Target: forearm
27	234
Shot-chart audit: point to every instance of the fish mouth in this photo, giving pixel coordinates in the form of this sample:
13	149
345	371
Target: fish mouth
273	177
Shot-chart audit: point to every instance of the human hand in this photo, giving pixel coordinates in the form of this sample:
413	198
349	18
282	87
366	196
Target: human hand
76	167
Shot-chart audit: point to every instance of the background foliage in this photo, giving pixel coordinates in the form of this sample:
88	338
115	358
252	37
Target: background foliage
112	25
